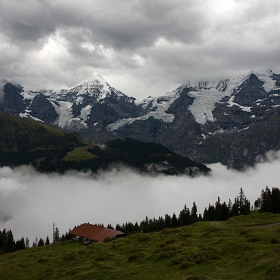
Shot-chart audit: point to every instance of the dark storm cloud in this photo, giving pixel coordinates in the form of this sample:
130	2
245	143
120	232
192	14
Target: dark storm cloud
118	24
142	47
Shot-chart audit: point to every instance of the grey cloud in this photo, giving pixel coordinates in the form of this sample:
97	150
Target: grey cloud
31	202
120	25
202	41
26	21
2	83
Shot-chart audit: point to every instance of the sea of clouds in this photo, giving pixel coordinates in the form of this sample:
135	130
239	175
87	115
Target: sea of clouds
30	202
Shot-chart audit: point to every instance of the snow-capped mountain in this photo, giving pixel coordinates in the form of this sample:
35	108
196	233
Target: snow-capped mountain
231	120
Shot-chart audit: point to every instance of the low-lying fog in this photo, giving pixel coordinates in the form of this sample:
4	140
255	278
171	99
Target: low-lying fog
31	202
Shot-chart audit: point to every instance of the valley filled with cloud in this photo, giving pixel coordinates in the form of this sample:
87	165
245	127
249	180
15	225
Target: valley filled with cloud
30	202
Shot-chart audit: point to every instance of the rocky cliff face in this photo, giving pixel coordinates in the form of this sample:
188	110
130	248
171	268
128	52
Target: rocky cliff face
230	121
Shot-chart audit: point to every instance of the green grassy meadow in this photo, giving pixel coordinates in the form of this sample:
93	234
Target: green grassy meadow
79	154
240	248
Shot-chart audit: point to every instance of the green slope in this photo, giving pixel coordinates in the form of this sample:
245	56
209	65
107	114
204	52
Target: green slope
233	249
23	141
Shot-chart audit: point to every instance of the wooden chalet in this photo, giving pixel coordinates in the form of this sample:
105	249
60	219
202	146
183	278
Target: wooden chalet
88	233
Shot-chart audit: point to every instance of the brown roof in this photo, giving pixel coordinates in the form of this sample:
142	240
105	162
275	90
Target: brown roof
96	233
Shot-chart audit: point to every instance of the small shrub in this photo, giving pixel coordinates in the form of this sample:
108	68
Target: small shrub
274	241
144	238
133	257
100	258
108	239
254	239
70	257
42	259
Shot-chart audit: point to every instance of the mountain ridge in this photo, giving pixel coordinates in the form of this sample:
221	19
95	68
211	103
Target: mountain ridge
224	114
49	149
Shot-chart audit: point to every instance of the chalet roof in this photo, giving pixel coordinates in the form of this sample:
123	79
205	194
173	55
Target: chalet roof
96	233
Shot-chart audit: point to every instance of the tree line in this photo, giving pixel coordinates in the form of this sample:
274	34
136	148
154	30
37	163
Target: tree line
269	201
217	212
8	243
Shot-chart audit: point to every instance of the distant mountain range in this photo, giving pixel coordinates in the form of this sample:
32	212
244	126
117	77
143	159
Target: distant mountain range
230	121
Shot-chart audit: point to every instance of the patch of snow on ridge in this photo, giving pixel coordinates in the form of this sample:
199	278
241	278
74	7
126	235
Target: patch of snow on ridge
159	107
207	94
266	77
243	108
65	115
204	104
28	95
84	115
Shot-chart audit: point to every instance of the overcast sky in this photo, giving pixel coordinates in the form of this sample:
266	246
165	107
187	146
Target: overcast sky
141	47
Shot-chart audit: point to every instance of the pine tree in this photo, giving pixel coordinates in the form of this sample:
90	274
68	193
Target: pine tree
218	210
56	235
167	221
27	242
235	207
229	206
211	213
47	241
184	218
244	204
136	227
20	244
205	215
266	202
11	245
224	212
110	226
194	213
161	223
275	200
41	242
174	221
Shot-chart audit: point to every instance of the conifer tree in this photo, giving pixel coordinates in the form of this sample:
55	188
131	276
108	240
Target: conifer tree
218	209
194	213
56	235
11	245
20	244
205	215
41	242
27	242
174	221
244	204
167	221
275	200
224	212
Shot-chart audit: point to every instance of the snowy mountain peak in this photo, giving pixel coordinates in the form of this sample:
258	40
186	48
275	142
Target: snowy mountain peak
95	82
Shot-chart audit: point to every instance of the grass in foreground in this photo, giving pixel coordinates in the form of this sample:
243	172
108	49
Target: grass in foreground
205	250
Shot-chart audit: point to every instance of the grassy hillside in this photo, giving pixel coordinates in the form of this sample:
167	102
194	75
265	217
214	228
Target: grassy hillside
21	134
123	151
233	249
138	154
24	141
